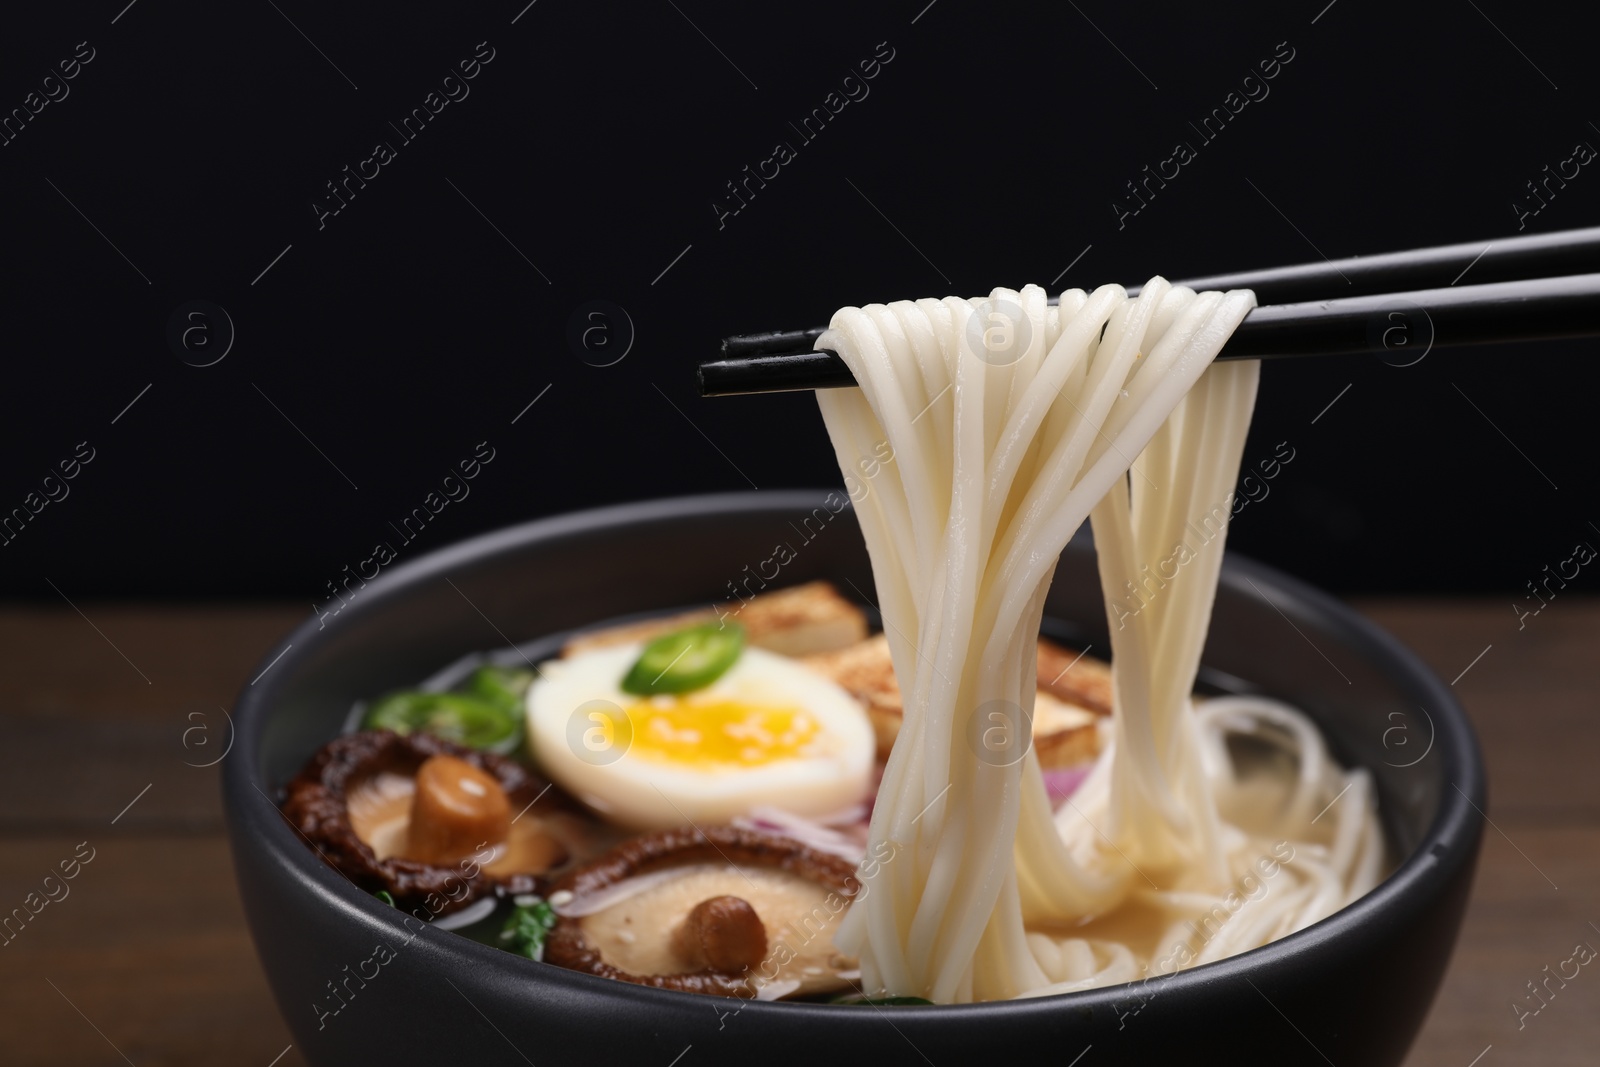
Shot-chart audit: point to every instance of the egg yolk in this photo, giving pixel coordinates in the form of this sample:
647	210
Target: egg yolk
718	732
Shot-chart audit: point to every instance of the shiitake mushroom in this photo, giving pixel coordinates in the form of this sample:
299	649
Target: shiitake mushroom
429	821
720	910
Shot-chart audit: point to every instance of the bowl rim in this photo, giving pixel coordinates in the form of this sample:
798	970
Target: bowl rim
1449	840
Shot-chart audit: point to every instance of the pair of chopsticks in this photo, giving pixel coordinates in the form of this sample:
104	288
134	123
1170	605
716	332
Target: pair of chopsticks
1523	290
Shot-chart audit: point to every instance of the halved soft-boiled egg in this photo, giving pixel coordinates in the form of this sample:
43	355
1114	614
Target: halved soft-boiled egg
766	731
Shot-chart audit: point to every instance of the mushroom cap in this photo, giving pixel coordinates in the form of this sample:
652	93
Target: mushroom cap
353	802
673	910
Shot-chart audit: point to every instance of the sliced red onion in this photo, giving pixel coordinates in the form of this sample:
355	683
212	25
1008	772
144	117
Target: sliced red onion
601	899
468	915
812	834
1061	783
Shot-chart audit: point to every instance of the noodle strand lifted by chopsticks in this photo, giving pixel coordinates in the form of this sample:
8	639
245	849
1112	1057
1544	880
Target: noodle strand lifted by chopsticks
1011	422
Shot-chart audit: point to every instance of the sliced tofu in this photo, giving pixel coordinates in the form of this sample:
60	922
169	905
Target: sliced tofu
1074	678
801	620
1066	711
1064	734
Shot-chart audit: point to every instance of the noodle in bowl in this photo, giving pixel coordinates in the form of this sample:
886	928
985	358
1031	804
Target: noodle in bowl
1378	960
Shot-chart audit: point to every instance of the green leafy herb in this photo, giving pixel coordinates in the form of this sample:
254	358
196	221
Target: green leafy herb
685	660
526	927
504	687
879	1002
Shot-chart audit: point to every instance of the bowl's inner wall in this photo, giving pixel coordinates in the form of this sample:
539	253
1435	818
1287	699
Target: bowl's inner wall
1261	632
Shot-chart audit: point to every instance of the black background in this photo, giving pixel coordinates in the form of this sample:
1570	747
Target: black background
384	345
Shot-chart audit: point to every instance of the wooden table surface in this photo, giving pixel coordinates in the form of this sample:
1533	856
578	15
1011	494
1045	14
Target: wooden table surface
147	956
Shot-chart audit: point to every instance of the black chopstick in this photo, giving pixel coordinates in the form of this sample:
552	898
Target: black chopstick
1543	255
1365	314
1390	324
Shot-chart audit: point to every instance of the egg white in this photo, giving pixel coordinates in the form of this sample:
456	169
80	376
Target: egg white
644	793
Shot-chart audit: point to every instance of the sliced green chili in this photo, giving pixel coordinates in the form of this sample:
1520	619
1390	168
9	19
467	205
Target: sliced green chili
466	720
685	660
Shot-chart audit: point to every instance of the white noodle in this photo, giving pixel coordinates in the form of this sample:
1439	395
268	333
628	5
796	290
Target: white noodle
1007	433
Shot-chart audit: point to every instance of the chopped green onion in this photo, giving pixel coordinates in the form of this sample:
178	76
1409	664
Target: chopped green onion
384	895
526	927
466	720
504	687
685	660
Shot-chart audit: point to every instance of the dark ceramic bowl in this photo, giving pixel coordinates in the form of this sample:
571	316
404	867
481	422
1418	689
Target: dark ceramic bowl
1351	990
